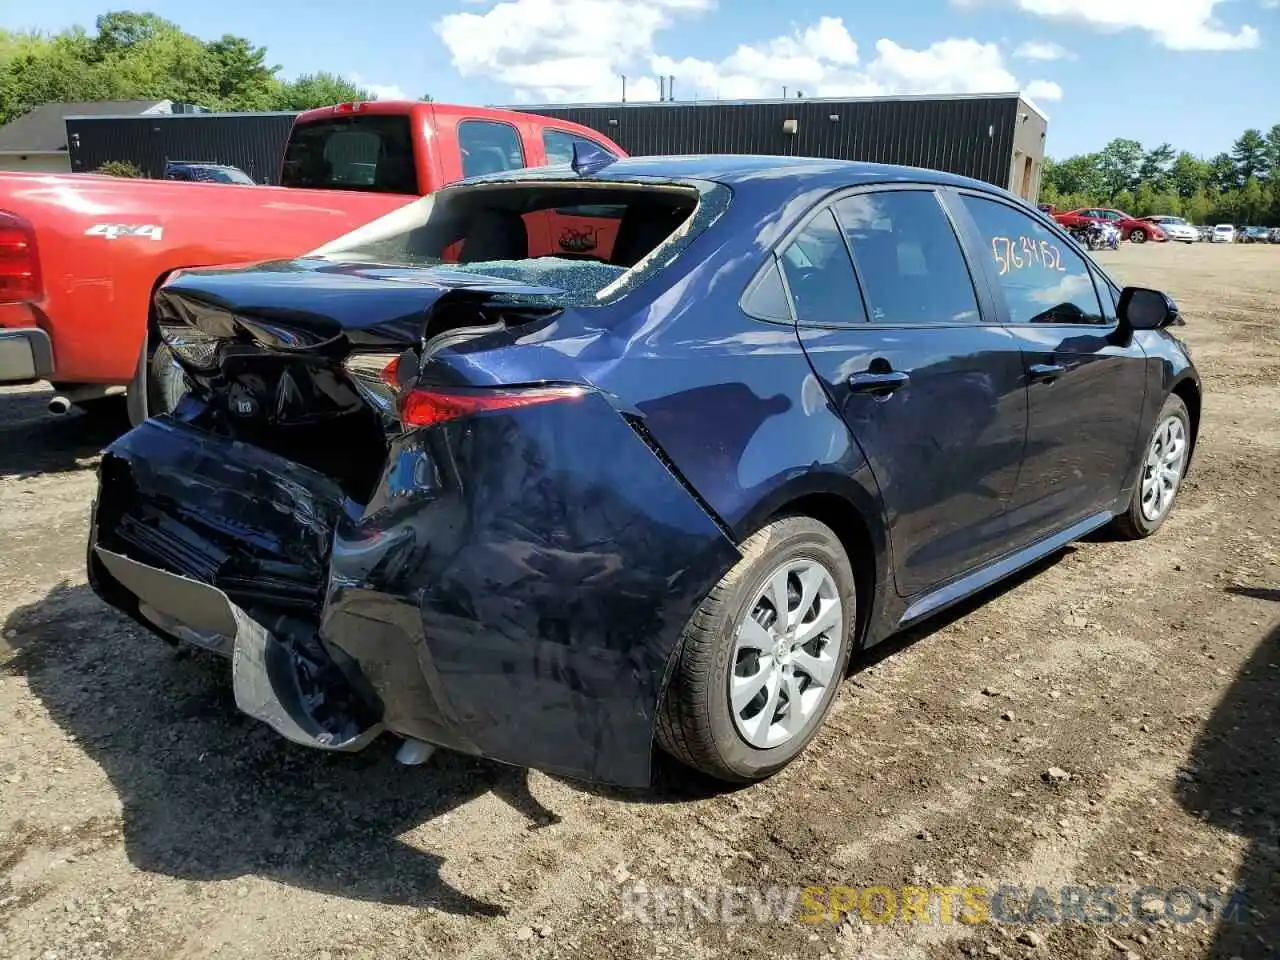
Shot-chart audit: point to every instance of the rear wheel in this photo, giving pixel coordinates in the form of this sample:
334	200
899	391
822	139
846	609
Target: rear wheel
761	659
1160	473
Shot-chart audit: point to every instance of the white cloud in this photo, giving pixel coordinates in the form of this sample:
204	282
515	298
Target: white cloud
563	49
536	48
380	91
1043	91
1044	50
1175	24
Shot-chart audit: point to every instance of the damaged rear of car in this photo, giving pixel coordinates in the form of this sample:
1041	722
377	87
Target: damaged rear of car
395	497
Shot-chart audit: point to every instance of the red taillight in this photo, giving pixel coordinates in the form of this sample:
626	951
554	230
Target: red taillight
423	408
19	260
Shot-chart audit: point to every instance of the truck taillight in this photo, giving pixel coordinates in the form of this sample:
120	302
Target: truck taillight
19	260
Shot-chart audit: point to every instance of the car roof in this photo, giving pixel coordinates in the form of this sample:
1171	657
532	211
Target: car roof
740	169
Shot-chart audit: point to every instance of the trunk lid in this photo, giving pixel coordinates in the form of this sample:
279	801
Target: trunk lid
307	358
313	302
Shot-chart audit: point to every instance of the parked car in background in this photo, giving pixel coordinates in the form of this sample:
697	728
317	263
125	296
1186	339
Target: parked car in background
205	173
1131	228
835	398
1224	233
1204	233
1175	228
88	251
1274	235
1254	235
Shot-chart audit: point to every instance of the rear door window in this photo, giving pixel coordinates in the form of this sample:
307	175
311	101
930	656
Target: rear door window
369	153
559	146
820	276
1041	278
909	259
489	147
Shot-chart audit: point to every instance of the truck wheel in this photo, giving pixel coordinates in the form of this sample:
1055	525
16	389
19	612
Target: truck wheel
762	657
157	386
168	382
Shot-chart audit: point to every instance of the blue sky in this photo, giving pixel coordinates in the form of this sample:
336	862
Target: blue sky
1192	72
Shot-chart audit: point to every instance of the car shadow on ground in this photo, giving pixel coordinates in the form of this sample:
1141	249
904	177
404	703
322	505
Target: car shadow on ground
208	794
34	441
1234	784
674	783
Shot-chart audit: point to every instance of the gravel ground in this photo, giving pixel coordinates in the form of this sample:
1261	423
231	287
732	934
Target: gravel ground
1111	718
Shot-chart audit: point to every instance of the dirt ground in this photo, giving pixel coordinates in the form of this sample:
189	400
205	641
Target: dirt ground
141	816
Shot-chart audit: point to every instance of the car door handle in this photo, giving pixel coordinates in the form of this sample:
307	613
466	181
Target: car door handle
1046	372
886	382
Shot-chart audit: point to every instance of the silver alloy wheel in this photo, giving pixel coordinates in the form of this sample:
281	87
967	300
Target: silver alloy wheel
1138	236
785	653
1162	471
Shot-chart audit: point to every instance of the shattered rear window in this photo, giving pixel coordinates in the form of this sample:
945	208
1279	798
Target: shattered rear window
592	241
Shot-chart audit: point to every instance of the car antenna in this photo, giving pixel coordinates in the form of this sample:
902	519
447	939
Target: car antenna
588	158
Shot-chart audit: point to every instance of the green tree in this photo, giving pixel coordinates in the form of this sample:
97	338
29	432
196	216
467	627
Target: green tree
1188	175
1273	151
121	31
1222	172
319	90
1074	175
1198	207
1155	166
245	81
1252	202
120	168
1119	162
1250	156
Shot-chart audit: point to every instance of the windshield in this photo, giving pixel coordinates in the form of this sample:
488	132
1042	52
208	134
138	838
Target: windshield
370	153
591	239
233	175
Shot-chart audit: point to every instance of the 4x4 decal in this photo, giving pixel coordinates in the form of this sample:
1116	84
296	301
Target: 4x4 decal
113	231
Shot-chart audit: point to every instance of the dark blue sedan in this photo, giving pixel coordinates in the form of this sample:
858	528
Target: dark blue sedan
555	464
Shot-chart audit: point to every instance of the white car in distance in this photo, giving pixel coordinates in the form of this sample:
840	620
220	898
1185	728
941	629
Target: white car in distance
1175	228
1224	233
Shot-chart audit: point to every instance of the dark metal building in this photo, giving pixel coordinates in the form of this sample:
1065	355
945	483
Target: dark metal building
254	142
998	138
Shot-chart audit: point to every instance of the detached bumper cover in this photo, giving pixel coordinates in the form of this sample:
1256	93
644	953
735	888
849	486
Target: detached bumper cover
268	675
26	354
515	588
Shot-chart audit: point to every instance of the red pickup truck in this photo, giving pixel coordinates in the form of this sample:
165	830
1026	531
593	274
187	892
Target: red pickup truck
81	255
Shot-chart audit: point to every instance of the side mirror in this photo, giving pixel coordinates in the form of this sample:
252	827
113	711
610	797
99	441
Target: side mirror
1144	309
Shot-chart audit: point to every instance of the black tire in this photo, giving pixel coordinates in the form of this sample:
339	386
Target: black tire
1138	236
167	383
158	383
695	721
1134	524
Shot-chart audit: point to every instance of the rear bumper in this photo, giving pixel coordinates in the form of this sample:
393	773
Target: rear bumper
26	355
267	672
509	591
